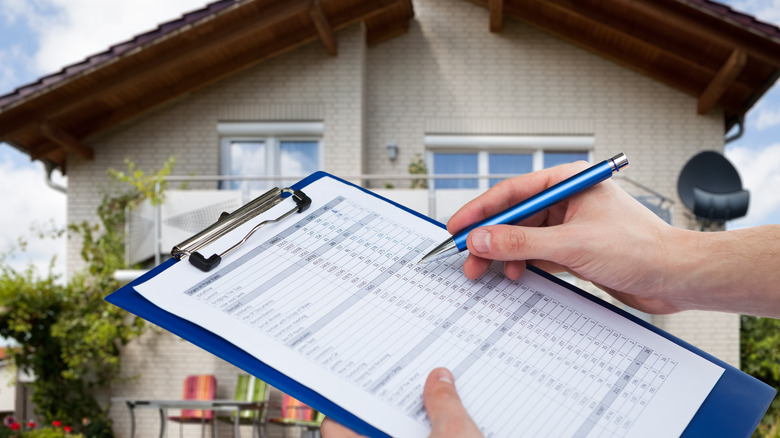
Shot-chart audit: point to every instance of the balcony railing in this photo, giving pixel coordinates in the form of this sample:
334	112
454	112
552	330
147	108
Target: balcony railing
153	231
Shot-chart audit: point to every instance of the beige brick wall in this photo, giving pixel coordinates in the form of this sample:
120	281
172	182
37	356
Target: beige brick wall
447	75
450	75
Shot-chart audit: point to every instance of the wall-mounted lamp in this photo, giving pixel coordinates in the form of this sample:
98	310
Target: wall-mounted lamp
392	151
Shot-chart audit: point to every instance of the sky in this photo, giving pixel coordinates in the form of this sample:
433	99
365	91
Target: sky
39	37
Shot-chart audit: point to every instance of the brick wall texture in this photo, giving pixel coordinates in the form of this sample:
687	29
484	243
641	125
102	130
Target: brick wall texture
447	75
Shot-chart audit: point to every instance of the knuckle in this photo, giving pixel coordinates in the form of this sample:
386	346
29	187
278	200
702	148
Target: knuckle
514	240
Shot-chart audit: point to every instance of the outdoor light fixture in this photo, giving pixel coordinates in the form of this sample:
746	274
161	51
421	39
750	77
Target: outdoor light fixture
392	151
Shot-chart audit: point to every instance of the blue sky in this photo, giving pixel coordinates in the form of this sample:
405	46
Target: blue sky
38	37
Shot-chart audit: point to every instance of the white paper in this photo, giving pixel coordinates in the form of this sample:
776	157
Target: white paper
334	299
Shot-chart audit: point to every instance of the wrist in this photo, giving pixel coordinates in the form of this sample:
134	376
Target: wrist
690	275
725	271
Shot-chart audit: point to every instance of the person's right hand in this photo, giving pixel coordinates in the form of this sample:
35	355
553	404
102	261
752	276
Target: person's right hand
602	235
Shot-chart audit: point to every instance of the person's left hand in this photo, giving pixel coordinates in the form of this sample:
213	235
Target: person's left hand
449	418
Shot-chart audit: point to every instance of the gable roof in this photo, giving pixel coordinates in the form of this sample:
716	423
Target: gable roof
700	47
49	118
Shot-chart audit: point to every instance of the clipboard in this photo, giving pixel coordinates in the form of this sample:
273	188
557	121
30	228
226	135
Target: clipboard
734	407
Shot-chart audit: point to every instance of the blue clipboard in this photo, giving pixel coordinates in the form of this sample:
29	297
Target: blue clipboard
733	408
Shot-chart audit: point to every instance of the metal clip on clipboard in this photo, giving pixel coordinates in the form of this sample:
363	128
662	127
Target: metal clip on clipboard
230	221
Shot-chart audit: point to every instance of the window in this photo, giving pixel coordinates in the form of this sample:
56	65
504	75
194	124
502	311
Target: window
269	150
507	163
498	155
447	163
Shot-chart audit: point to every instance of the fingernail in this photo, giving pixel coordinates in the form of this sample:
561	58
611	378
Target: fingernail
446	376
480	240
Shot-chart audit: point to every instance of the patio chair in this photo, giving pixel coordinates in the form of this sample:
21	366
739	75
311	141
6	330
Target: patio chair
250	388
297	414
199	387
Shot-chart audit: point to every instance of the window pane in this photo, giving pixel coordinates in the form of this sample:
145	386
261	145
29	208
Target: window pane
453	164
516	164
247	158
555	158
298	158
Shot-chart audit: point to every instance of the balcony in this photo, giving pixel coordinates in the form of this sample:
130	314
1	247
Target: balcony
153	230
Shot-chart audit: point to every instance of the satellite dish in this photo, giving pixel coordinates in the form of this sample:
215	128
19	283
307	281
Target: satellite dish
710	187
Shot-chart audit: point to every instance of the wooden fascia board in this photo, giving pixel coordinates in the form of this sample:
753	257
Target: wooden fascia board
149	70
66	141
323	27
496	9
722	81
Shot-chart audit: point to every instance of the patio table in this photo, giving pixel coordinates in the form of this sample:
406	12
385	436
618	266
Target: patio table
164	405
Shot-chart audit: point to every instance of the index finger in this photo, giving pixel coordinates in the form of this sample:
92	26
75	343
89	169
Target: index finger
509	192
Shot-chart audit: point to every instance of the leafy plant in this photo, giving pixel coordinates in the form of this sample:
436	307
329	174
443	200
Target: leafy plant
418	167
14	429
760	357
69	337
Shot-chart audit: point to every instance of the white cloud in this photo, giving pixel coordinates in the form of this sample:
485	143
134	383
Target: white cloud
767	118
64	32
766	112
71	30
759	169
28	201
767	11
8	70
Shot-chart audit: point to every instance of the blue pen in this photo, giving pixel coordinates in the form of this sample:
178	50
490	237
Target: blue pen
564	189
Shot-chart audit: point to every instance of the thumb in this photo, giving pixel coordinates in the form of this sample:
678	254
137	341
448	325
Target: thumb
445	411
511	242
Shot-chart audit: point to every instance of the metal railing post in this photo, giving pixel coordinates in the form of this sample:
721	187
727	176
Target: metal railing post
157	226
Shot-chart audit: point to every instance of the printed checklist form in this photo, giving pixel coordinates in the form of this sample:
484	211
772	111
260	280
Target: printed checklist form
334	299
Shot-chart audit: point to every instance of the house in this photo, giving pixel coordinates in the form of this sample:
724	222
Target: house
7	390
15	389
361	88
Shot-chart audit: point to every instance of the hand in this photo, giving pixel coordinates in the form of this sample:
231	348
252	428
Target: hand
449	418
601	235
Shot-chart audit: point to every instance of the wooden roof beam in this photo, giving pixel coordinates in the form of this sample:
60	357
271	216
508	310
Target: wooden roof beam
41	151
66	141
366	11
496	8
379	28
323	27
388	31
722	81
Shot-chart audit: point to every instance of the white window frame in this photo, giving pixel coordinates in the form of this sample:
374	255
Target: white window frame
272	134
483	145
